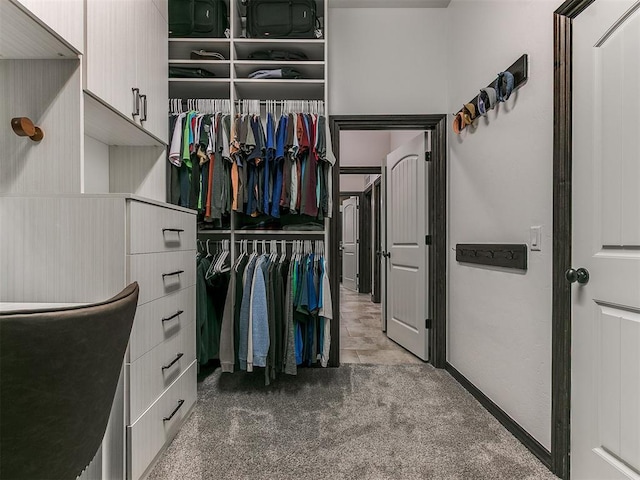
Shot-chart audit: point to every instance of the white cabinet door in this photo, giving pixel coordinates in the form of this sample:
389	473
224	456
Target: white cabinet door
152	69
111	51
65	17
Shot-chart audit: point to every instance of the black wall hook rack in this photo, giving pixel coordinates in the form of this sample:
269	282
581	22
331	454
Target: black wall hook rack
520	71
507	255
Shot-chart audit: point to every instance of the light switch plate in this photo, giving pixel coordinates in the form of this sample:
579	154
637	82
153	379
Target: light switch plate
536	239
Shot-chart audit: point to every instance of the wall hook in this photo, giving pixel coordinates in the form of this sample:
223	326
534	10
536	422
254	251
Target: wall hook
24	127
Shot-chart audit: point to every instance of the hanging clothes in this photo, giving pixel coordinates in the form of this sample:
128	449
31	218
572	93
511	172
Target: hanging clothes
276	312
201	162
281	166
212	287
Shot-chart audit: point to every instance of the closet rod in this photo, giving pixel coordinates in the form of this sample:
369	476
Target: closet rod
289	242
265	102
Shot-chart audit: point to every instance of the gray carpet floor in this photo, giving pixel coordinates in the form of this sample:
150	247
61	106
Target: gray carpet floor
353	422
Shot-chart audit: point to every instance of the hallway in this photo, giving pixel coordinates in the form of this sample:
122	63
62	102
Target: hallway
361	337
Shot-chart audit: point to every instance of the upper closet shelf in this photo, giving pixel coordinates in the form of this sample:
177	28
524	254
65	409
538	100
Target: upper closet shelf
107	125
273	89
313	49
309	70
22	36
181	48
199	88
220	68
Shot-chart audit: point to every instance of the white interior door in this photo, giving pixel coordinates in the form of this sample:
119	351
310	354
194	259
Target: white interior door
407	265
350	243
605	394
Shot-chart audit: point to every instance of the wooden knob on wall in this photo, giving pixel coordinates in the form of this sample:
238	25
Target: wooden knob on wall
24	127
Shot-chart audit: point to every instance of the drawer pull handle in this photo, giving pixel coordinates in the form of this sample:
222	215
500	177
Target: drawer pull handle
179	230
180	403
173	362
178	272
177	314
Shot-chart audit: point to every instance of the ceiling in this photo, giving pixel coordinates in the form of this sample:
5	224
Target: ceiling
389	3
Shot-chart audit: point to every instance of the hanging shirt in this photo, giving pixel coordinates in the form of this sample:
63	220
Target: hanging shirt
309	188
258	317
186	139
326	312
289	363
278	167
295	165
176	141
245	347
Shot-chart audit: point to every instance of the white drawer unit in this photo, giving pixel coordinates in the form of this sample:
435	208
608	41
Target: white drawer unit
151	374
103	242
161	369
161	320
160	423
162	273
156	229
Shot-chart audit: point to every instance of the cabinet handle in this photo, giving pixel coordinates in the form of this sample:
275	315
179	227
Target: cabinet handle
143	117
177	314
173	362
136	101
172	274
179	230
180	403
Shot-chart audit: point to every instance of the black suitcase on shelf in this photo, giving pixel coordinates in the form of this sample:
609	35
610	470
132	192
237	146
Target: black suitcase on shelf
281	18
198	18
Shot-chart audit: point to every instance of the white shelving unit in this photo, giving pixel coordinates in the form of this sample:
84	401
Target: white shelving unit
232	82
232	74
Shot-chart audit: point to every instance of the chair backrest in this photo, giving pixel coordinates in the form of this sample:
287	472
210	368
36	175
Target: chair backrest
59	369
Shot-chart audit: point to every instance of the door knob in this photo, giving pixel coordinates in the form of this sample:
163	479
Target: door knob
580	275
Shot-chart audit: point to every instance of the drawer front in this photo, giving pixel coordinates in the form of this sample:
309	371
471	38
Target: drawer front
159	229
161	320
151	374
147	436
160	274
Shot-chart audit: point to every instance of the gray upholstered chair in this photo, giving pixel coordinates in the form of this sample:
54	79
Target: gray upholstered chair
59	369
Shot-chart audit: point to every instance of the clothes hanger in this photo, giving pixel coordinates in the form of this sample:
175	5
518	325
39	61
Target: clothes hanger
212	270
219	258
274	251
222	264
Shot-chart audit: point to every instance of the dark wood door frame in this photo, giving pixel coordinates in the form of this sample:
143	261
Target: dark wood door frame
438	218
366	241
562	235
368	170
377	246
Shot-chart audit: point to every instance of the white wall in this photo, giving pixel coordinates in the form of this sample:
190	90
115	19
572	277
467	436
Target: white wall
387	60
352	183
96	166
500	184
400	137
363	148
49	93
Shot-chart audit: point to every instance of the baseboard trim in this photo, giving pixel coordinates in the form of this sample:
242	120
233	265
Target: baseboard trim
509	423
